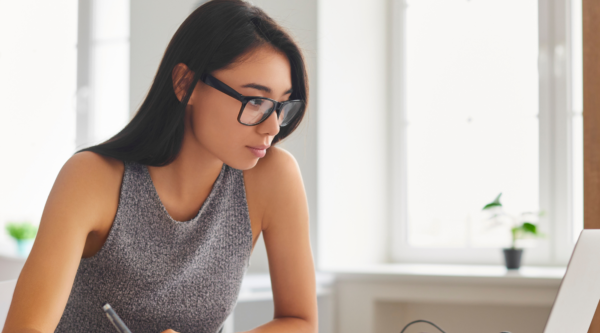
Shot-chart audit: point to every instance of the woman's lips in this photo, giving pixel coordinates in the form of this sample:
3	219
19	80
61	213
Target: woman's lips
258	152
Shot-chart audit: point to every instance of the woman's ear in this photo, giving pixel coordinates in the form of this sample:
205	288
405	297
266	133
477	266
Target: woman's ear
182	77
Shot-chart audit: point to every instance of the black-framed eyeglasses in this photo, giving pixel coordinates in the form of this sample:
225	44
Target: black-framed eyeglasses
256	109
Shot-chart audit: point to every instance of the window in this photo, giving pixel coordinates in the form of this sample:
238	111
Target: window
38	58
63	85
483	106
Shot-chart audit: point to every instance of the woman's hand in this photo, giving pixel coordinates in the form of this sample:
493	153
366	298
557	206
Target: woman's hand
169	331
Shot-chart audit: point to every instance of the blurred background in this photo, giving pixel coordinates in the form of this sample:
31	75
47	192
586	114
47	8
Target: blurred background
421	112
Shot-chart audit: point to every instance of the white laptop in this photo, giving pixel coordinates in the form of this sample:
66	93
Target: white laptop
579	292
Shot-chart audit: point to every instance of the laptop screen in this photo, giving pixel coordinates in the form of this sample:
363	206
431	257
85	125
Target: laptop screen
579	290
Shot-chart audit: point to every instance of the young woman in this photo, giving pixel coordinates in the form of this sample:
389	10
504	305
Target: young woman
160	220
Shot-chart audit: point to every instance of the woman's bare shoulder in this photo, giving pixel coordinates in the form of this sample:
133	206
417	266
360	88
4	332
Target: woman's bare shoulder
88	170
92	161
95	168
272	179
278	165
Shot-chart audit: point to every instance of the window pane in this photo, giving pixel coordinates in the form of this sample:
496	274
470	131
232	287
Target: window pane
472	126
38	60
109	69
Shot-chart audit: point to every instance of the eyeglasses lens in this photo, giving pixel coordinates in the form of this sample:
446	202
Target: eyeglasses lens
257	109
288	112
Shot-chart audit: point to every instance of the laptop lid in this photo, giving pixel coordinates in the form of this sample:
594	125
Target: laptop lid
579	291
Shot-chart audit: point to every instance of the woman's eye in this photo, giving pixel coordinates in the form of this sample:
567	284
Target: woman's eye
256	102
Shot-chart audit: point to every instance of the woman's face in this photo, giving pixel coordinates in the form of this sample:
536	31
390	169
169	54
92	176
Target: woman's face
211	115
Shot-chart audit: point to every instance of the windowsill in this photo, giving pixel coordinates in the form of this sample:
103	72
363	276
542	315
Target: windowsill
445	273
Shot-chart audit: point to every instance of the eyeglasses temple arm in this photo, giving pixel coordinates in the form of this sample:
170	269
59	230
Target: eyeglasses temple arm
215	83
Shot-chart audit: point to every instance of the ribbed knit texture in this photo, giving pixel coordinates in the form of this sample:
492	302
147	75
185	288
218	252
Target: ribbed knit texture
158	273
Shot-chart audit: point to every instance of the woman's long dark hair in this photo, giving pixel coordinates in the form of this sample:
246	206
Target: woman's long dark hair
212	37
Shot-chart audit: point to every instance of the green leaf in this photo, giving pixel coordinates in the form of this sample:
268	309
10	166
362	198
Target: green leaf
529	227
21	230
495	203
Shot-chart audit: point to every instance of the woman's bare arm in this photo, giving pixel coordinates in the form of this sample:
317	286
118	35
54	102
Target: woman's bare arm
286	235
81	198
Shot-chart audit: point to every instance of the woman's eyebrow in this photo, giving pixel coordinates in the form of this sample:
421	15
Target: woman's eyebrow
263	88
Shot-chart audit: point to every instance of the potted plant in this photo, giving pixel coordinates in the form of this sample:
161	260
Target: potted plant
24	233
521	228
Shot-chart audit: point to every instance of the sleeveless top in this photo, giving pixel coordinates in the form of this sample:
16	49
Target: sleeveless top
158	273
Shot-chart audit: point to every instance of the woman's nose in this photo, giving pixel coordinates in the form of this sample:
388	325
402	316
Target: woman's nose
271	125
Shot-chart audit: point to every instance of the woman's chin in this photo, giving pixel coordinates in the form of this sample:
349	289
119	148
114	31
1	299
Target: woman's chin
245	164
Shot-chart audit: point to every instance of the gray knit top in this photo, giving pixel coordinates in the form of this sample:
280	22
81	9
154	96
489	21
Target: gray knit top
158	273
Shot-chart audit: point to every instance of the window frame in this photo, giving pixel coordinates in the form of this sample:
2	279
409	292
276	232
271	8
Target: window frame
555	146
88	129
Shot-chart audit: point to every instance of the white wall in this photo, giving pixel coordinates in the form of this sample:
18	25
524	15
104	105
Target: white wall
353	110
153	23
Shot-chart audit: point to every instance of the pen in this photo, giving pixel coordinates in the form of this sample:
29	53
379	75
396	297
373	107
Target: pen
115	320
